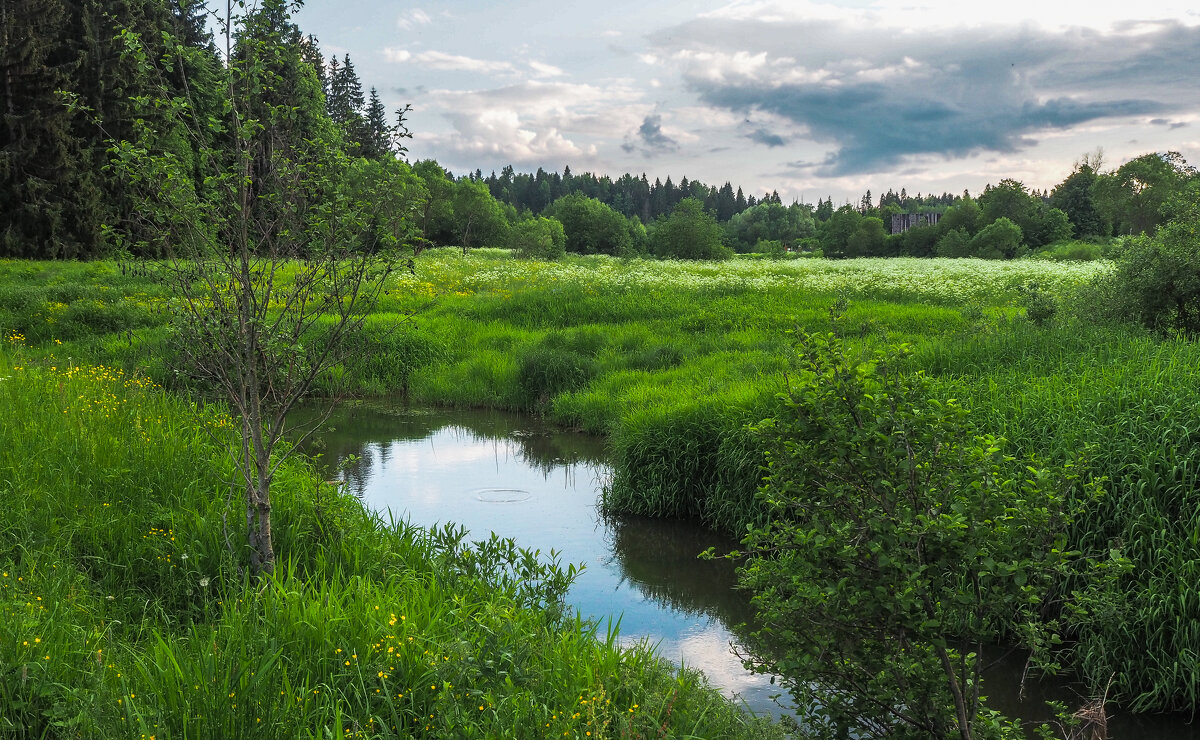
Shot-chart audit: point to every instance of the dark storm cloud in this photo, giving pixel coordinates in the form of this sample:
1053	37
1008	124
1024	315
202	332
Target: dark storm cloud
879	97
874	127
651	137
762	136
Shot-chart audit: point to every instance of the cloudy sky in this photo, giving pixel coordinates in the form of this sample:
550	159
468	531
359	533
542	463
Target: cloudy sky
808	97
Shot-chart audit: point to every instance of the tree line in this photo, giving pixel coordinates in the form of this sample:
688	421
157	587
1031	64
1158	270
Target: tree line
84	85
71	91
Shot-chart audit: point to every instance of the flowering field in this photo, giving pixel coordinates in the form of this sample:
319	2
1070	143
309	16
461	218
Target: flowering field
940	282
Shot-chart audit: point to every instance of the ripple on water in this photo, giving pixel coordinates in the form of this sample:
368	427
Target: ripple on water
502	495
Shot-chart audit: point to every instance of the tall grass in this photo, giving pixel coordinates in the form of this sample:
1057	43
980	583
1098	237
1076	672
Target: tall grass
670	360
123	613
1128	406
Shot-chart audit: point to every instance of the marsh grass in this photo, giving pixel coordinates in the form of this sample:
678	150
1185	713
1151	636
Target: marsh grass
1128	405
670	360
122	613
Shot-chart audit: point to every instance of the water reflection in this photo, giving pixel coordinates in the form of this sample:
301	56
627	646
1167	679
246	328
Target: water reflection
491	471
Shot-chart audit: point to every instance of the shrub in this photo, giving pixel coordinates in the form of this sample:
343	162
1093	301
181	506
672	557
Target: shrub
1157	279
1000	239
770	247
545	372
538	238
591	227
899	546
1040	306
689	232
956	243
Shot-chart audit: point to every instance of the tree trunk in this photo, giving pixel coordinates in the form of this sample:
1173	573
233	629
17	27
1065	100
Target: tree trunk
960	704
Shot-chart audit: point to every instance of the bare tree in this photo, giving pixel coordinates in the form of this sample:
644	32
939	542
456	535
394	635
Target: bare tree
278	256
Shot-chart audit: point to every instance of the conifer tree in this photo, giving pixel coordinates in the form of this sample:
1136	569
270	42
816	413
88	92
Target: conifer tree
49	203
377	143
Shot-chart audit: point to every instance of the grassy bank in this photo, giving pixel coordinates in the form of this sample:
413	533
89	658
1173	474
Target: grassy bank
121	614
671	360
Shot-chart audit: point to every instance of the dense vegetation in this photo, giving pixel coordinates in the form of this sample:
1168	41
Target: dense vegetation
122	613
74	88
673	361
123	590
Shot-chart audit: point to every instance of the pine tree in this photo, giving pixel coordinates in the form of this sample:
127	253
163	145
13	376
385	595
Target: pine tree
49	202
310	52
191	23
377	143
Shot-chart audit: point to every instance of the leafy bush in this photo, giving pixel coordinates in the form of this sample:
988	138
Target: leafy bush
1040	306
770	247
538	238
1157	279
956	243
591	227
899	546
1000	239
689	232
546	372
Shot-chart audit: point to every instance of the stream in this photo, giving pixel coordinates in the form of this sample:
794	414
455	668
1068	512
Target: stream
491	471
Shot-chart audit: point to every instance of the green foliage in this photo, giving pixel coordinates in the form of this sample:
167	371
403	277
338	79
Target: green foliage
900	544
1132	197
1156	282
920	241
123	614
689	232
770	247
955	243
592	227
538	237
1000	239
868	239
1040	305
1076	251
1130	399
546	371
437	212
478	218
1075	197
835	233
770	221
965	215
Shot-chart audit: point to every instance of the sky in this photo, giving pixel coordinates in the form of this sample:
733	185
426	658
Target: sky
808	98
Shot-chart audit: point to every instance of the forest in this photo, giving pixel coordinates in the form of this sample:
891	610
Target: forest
72	92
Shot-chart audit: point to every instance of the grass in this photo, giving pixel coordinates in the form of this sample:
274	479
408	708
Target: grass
671	360
122	613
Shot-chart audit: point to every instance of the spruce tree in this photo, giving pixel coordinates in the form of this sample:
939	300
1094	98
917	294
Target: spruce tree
377	143
49	203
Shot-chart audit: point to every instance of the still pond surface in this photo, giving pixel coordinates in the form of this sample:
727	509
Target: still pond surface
495	472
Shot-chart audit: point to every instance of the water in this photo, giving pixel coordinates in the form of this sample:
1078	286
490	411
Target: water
491	471
496	472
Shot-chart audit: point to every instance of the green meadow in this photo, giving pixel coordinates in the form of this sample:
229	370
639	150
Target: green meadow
114	534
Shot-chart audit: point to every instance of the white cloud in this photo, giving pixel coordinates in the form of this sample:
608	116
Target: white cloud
414	17
929	15
442	61
535	122
545	70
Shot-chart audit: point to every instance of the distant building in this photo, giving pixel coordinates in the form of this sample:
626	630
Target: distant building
902	222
